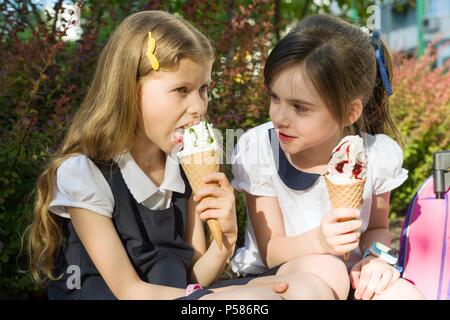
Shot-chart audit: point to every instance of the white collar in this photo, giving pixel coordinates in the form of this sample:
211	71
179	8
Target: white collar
141	186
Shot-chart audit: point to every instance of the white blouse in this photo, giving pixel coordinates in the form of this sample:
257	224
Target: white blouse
80	184
256	172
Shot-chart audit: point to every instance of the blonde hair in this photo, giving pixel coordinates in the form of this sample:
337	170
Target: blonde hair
111	106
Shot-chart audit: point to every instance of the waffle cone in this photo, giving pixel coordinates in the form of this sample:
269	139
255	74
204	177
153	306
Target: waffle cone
345	196
197	166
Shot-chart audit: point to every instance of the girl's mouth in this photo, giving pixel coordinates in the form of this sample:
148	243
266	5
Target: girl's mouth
190	124
284	137
177	136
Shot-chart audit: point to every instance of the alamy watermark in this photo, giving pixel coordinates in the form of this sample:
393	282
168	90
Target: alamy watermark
74	279
253	150
373	22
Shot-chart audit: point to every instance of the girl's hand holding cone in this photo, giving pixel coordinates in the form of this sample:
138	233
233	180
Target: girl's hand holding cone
216	201
200	158
337	236
346	177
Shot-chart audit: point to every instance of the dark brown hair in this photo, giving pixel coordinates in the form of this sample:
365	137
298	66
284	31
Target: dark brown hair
339	60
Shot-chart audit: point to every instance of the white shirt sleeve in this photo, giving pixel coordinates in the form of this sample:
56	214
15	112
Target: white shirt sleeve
80	184
252	164
386	160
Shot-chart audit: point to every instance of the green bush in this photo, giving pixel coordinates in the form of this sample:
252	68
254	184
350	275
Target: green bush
420	105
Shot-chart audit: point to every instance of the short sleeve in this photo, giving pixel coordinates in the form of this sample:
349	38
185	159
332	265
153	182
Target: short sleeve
80	184
385	160
252	166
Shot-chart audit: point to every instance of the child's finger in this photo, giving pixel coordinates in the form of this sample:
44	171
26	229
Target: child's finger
220	178
384	282
209	191
341	215
280	287
347	247
372	285
362	284
395	277
211	214
276	286
344	214
348	238
354	278
348	226
206	204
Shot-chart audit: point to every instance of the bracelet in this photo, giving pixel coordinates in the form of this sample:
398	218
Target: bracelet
399	268
396	266
366	253
191	288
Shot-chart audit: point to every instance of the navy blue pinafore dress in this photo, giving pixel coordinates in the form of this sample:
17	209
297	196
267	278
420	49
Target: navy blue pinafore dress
153	240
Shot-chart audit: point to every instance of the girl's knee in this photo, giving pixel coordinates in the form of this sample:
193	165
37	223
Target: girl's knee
323	262
327	267
245	293
407	290
308	286
401	290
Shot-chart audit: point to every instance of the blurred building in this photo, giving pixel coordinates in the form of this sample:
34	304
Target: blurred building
401	28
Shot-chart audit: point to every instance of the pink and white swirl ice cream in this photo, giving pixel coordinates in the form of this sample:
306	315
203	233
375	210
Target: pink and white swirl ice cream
347	170
348	162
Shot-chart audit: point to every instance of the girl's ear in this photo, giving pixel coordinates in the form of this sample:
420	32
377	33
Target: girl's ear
354	111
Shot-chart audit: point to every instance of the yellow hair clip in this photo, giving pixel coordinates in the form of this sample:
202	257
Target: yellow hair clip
151	52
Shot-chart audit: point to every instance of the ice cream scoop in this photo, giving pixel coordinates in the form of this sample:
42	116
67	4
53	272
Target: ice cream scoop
348	161
198	138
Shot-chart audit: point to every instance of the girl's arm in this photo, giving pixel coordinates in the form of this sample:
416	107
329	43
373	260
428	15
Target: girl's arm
378	229
373	275
207	264
195	233
274	246
210	263
101	241
332	237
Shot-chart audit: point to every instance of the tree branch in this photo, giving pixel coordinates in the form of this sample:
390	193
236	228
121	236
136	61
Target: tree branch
304	11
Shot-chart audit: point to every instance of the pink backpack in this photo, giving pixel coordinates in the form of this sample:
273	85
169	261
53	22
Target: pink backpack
425	239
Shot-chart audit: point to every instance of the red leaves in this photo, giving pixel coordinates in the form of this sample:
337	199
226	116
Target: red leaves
421	92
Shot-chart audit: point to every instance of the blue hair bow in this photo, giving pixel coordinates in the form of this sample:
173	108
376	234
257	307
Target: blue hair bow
381	62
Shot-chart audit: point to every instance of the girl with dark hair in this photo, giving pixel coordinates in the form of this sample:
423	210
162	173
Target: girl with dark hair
327	79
